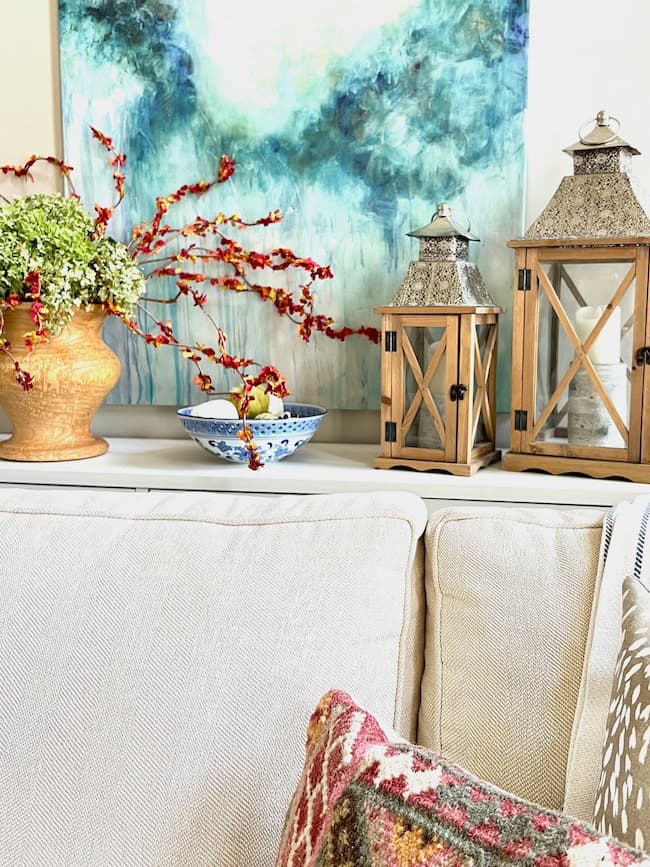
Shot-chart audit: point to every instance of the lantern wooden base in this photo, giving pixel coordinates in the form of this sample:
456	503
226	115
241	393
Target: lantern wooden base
560	466
441	466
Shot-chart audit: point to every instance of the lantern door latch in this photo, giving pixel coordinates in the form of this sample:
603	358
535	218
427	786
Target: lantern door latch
390	432
524	280
457	392
390	341
643	356
521	419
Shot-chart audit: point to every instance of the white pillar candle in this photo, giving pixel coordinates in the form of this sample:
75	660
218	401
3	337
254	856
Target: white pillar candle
607	347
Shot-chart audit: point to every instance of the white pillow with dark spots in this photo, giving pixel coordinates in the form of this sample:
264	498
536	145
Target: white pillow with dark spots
622	807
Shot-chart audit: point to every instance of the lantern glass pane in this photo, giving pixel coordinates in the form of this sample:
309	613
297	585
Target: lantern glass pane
482	364
425	387
577	403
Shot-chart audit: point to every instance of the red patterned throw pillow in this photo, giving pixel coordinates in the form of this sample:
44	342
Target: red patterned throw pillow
366	800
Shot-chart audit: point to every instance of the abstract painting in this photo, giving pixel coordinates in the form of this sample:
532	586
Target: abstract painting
354	119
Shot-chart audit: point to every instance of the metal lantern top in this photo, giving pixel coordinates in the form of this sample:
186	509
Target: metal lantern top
601	199
601	136
443	225
443	275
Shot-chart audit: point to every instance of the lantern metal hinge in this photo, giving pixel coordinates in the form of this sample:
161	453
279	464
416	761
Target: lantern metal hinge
524	281
390	432
643	356
457	392
390	341
521	419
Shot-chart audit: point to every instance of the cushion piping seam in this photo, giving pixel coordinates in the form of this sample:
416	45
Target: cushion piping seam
213	521
408	602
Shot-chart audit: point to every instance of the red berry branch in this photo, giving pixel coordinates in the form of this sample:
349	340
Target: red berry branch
198	256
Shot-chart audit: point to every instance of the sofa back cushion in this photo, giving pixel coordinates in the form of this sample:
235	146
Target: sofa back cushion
160	653
509	595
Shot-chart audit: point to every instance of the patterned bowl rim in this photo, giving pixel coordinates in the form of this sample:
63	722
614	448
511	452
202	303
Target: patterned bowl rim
185	412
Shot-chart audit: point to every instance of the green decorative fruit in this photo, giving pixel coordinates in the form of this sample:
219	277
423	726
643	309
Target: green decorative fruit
259	400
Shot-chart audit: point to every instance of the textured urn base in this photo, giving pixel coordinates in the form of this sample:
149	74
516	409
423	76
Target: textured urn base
14	449
72	373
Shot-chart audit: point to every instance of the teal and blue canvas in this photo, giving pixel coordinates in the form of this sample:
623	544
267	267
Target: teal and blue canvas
355	119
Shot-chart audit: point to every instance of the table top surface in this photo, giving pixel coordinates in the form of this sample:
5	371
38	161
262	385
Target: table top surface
318	467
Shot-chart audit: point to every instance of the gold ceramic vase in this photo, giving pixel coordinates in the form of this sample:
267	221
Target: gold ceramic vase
72	373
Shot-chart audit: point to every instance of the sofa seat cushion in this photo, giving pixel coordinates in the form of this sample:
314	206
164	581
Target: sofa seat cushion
509	596
366	800
160	652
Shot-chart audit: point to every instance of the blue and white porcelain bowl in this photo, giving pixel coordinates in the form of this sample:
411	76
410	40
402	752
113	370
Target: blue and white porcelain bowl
275	438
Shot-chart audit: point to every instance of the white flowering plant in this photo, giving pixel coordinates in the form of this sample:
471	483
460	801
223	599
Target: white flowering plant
51	258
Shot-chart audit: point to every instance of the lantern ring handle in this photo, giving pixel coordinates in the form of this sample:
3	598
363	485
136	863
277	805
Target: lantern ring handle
464	216
595	119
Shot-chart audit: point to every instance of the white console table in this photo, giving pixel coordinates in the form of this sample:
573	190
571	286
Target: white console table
178	464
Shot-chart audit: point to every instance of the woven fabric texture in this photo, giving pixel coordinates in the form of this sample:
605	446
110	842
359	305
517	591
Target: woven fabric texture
509	594
623	796
364	801
623	552
159	653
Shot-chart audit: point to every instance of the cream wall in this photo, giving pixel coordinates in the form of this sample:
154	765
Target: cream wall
584	55
31	108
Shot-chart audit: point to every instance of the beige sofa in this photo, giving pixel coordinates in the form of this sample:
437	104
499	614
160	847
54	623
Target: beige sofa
160	655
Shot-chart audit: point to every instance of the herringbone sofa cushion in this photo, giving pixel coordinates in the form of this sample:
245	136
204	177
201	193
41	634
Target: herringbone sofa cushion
365	800
160	652
509	599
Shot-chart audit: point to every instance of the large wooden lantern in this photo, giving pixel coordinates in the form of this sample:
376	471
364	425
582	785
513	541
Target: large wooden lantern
581	321
438	374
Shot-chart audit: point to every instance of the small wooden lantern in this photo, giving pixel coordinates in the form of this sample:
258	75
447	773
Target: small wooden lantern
581	321
438	375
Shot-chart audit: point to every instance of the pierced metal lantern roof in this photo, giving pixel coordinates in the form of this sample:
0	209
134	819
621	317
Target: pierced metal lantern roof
602	199
443	275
